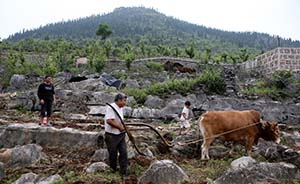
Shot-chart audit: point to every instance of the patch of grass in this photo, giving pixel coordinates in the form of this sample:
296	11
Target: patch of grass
102	177
136	169
138	94
274	87
12	177
69	175
58	181
21	109
216	167
290	182
211	79
272	92
154	66
121	76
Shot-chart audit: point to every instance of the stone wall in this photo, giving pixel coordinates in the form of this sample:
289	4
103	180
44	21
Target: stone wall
281	58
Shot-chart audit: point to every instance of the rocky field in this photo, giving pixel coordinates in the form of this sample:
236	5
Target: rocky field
73	149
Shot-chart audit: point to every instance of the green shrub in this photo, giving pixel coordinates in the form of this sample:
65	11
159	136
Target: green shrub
129	58
138	94
274	87
121	76
154	66
281	79
213	81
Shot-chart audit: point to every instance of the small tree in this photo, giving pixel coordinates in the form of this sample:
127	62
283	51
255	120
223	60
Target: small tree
176	52
234	59
243	55
104	31
207	55
143	47
190	50
99	62
224	57
107	48
129	58
128	48
49	67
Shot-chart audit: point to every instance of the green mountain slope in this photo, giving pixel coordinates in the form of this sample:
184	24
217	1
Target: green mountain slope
138	23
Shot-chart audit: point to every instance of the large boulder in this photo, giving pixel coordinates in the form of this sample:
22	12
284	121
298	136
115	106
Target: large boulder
131	83
132	153
97	110
69	101
164	172
34	178
154	102
17	82
21	134
27	178
75	117
146	113
292	139
89	85
21	156
97	167
100	110
23	82
26	100
2	172
51	179
174	107
100	155
182	149
261	172
100	98
243	162
276	152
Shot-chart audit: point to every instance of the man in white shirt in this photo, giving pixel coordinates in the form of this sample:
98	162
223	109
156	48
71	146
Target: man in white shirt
184	117
115	135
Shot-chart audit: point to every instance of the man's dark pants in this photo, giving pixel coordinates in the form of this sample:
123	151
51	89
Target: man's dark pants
115	144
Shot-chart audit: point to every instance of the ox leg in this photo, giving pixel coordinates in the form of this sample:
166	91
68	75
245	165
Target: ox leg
205	146
231	152
248	145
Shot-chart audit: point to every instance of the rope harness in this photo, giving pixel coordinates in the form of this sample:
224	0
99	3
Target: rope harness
215	136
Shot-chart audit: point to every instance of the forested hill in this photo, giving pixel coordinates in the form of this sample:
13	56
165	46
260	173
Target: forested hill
138	23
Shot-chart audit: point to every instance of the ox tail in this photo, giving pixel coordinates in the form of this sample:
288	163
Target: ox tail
200	130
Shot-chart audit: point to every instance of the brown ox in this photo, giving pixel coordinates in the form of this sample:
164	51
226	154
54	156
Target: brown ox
244	127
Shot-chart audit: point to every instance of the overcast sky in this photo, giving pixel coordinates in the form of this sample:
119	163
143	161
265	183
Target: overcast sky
276	17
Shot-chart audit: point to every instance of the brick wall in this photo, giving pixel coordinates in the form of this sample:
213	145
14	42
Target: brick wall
281	58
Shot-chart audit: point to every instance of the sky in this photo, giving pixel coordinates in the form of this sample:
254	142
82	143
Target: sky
275	17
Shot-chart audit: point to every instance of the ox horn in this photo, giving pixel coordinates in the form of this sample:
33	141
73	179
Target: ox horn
263	123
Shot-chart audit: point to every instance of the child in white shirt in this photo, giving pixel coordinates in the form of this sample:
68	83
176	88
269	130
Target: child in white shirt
184	121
